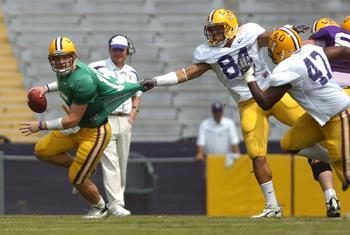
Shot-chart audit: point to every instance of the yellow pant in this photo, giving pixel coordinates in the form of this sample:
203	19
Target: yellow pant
255	124
334	136
89	143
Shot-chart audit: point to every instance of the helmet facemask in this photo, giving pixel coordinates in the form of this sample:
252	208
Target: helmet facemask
63	63
218	34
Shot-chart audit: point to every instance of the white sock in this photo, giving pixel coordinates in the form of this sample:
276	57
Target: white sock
101	203
269	193
329	193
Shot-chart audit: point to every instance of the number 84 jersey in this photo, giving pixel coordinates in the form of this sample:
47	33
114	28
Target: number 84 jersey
310	76
223	61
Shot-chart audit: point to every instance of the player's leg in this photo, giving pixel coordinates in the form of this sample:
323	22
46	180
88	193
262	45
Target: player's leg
255	128
92	143
288	111
54	147
306	132
337	142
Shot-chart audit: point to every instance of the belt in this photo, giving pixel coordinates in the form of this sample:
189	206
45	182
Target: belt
119	114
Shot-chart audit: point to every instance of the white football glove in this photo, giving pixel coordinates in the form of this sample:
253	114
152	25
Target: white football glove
247	68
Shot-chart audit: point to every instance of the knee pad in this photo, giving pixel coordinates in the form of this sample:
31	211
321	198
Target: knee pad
318	167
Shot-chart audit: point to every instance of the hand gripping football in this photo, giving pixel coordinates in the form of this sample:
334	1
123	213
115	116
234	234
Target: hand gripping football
35	102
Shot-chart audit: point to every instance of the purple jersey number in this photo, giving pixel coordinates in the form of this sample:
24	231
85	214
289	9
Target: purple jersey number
314	73
226	62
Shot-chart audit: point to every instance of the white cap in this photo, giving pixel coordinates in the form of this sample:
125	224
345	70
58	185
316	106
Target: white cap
119	42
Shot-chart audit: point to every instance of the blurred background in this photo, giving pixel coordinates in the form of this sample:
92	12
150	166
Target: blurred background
165	34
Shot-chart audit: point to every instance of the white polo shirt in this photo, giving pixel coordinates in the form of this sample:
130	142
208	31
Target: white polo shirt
217	138
126	74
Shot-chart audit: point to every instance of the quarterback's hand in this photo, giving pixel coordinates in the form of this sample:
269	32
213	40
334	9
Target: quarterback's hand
148	84
247	68
29	128
42	89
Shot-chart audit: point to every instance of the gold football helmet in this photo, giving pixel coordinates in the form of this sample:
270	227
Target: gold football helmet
62	55
221	26
346	23
321	23
283	43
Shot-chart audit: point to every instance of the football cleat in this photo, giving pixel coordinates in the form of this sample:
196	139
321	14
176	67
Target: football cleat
269	212
97	213
333	208
119	211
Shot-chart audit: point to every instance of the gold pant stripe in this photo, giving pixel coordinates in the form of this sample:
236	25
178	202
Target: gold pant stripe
93	155
347	153
345	120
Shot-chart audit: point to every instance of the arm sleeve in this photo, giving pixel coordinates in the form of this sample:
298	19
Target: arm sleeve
233	133
85	91
253	30
282	75
201	135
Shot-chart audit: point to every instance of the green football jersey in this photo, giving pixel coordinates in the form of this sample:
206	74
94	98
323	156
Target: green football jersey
102	94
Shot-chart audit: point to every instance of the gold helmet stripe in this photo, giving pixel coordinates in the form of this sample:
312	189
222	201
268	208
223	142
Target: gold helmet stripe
211	15
294	37
58	44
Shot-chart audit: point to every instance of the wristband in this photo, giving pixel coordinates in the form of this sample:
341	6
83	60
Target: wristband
40	125
55	124
167	79
184	71
53	86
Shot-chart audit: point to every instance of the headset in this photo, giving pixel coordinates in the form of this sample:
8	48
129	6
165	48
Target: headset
131	47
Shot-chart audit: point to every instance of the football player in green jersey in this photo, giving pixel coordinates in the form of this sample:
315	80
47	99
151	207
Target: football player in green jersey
91	98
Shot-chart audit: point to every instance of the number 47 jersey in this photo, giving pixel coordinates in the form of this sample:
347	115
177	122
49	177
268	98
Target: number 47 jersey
223	61
309	74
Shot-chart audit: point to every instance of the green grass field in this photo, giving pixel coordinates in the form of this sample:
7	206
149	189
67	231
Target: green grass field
176	225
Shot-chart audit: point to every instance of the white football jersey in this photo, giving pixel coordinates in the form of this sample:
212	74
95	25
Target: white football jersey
223	61
309	73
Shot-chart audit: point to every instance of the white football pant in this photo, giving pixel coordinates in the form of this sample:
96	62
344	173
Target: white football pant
115	159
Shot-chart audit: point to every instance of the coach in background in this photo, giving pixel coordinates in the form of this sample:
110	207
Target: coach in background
218	135
114	161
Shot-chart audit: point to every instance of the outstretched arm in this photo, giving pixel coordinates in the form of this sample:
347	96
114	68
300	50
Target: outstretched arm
179	76
265	99
337	52
263	39
268	98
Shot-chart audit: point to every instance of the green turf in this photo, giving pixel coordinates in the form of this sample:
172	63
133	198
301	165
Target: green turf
176	225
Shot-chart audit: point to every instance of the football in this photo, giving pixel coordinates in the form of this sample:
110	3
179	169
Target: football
35	102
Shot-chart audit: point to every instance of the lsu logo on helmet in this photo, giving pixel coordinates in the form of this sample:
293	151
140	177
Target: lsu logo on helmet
346	23
221	26
321	23
62	55
283	43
